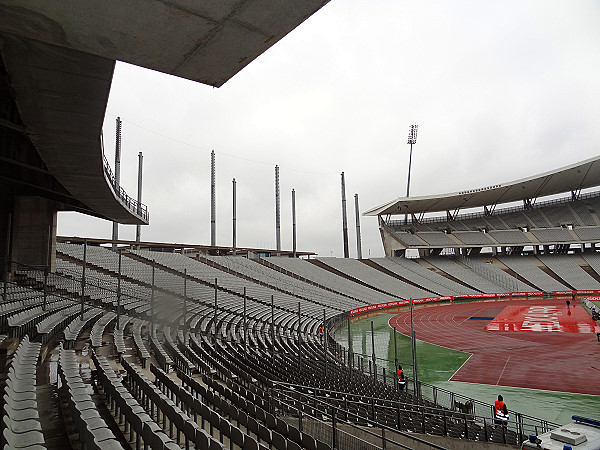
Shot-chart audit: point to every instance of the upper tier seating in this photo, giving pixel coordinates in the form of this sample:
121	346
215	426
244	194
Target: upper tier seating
357	270
526	268
569	271
428	279
466	275
327	278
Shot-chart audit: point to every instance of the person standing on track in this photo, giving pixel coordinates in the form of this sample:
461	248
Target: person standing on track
500	412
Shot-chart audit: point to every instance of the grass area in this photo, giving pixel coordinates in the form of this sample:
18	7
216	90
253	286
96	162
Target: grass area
438	364
435	363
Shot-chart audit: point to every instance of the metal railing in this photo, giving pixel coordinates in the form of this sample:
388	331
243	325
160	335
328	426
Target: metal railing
459	420
67	283
337	426
132	204
383	370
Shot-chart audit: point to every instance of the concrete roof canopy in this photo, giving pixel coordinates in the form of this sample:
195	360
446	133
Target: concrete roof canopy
582	175
60	58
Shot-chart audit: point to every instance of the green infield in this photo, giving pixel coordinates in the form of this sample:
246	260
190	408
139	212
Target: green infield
436	365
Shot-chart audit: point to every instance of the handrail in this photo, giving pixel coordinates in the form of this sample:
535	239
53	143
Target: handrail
328	393
132	204
520	423
291	404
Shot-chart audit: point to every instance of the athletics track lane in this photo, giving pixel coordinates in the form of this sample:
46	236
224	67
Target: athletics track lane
564	362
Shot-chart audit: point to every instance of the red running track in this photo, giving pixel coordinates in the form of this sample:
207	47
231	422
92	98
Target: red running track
563	362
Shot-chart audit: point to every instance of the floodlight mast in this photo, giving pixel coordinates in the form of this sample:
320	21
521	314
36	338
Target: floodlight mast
412	139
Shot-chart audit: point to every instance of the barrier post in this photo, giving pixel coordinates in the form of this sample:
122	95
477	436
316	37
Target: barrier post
324	343
373	348
350	357
83	276
215	318
272	329
46	268
119	291
152	301
184	306
299	339
395	360
245	324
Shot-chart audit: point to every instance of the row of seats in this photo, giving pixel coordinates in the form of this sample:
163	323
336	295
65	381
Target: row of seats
152	398
97	332
141	426
256	407
26	320
118	337
20	416
73	329
94	434
56	322
142	352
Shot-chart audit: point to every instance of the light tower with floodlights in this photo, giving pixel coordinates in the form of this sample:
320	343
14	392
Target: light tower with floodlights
412	139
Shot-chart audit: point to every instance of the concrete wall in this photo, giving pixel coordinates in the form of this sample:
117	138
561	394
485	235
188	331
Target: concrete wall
33	221
5	217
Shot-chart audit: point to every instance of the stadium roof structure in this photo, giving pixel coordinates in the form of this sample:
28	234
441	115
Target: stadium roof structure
573	178
57	61
60	57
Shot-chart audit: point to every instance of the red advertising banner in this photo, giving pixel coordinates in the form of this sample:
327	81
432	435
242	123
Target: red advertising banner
592	292
378	306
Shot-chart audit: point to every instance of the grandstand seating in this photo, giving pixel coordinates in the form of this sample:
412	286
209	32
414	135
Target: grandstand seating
375	279
568	270
466	275
437	239
20	416
224	381
533	273
93	430
321	276
428	279
469	238
550	223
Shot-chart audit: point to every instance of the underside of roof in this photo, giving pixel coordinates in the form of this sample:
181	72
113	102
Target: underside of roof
57	62
207	41
573	178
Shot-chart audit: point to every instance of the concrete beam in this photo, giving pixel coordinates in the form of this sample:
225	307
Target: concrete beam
207	41
61	95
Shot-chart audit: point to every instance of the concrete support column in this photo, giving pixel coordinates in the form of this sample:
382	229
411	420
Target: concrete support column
6	208
33	219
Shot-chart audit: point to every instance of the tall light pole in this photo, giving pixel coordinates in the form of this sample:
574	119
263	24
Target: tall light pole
234	219
213	201
117	186
412	139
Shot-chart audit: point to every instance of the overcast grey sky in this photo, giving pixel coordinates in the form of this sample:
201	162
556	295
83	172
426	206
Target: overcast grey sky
500	91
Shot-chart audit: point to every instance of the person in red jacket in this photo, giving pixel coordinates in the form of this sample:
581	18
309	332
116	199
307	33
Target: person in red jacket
500	411
401	379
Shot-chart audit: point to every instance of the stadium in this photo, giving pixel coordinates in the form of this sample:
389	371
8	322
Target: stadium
110	343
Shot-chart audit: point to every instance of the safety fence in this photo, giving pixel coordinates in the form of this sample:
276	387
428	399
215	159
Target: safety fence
465	421
335	425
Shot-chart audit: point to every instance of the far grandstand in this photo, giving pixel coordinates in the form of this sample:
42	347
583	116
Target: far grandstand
555	212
